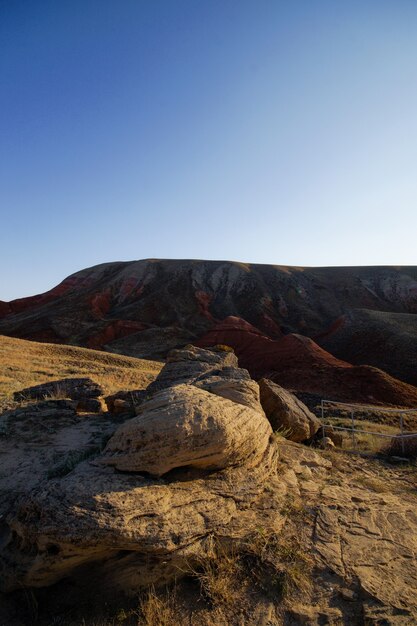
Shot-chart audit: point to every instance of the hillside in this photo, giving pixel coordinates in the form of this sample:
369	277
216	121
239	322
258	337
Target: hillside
27	363
364	316
384	339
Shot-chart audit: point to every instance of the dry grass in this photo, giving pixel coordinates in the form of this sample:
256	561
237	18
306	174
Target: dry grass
283	565
364	442
219	574
378	485
158	609
26	363
276	565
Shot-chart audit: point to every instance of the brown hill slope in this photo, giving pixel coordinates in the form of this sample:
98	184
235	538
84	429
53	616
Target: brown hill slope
26	363
193	295
298	363
384	339
144	308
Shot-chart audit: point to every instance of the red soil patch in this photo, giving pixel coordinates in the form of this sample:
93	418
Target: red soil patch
114	330
298	363
261	355
100	304
203	301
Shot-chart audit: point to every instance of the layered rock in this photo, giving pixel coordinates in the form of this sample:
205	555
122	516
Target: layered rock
287	413
131	529
145	308
187	426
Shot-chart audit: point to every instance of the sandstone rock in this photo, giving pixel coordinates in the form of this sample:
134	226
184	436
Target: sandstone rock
328	432
89	405
326	443
127	529
187	426
74	388
44	409
213	421
191	364
286	412
371	537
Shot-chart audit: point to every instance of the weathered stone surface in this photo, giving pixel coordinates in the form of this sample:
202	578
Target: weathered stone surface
93	514
74	388
371	537
89	405
203	412
187	426
43	409
130	530
285	411
192	364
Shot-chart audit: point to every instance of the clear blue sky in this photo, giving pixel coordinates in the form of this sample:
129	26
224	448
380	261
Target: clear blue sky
260	131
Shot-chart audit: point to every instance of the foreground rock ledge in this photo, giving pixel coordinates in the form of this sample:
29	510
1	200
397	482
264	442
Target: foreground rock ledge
135	528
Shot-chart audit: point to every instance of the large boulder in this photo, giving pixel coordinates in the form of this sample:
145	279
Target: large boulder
125	529
188	426
286	412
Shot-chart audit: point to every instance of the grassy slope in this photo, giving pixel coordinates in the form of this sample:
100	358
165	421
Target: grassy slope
25	363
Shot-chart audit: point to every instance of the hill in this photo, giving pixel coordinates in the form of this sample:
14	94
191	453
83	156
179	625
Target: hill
145	308
27	363
384	339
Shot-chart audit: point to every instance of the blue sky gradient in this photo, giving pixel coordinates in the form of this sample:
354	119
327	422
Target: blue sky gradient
259	131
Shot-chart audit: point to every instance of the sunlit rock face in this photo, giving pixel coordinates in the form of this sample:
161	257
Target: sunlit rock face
196	460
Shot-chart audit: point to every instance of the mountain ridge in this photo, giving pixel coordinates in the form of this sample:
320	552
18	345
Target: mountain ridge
144	308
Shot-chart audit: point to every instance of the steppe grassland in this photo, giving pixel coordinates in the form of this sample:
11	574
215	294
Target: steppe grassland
26	363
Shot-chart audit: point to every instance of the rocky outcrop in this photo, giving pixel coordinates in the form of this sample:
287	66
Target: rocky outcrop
74	388
210	441
188	426
371	538
125	401
287	413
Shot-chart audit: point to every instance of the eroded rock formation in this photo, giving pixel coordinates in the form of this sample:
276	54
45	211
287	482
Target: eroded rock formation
287	413
134	528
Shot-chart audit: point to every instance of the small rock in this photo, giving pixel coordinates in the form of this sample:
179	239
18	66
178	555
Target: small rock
326	443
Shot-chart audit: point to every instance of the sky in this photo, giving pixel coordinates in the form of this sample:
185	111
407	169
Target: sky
262	131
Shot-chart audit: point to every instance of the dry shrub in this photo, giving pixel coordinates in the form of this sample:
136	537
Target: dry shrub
402	447
218	573
158	609
279	564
